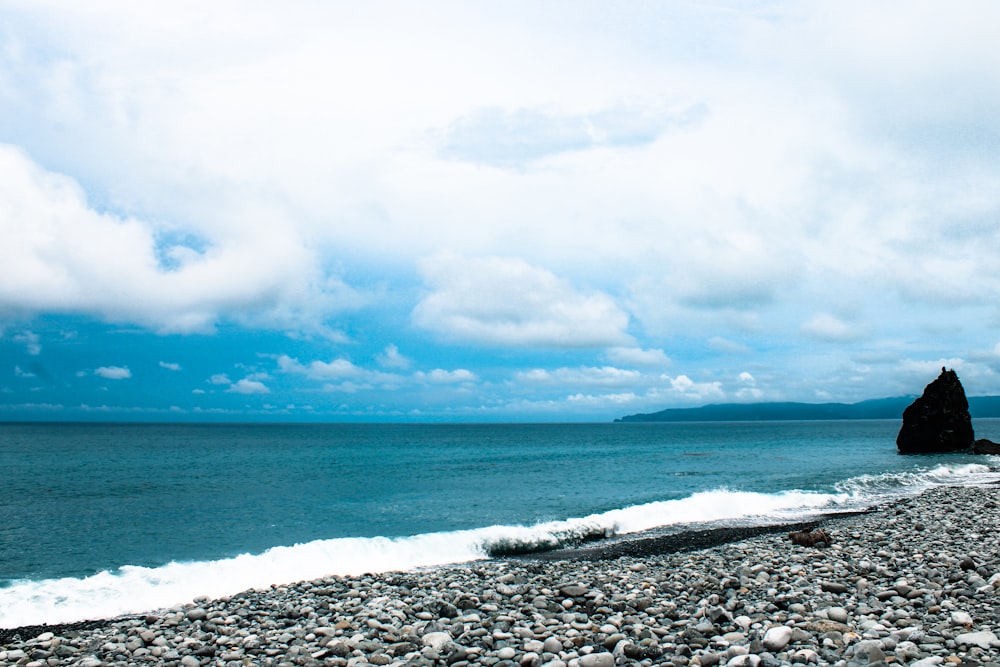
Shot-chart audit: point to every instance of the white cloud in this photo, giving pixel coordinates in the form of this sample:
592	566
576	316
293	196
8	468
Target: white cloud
583	376
31	341
826	327
697	175
512	138
170	366
725	345
113	372
220	378
391	358
747	378
690	390
506	301
442	376
602	400
248	386
636	356
337	371
61	255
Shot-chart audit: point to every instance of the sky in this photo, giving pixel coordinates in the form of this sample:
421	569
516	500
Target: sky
492	211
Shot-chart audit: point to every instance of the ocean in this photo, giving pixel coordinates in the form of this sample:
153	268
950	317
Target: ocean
101	520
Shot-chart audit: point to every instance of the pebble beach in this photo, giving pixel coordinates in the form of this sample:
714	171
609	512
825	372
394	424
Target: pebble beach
916	582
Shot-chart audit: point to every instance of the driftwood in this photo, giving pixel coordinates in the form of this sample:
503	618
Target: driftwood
815	538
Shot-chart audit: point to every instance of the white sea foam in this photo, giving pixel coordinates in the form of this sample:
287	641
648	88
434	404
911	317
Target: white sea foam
134	589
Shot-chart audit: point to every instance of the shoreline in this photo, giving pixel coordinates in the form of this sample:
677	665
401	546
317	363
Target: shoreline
916	582
638	545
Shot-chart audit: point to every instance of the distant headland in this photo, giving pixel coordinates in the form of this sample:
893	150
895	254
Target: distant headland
981	407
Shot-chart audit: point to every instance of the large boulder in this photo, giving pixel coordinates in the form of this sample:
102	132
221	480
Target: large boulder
939	421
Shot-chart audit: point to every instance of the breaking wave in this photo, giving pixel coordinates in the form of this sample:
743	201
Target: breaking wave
133	589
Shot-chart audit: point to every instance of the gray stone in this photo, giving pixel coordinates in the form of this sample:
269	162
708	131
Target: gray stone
196	614
837	614
597	660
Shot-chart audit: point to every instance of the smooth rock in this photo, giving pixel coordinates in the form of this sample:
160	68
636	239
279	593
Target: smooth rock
961	618
837	614
436	640
984	639
597	660
777	638
506	653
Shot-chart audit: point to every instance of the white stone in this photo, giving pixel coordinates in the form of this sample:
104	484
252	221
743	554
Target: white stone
961	618
806	655
533	646
983	639
506	653
552	645
436	640
749	660
777	638
928	662
597	660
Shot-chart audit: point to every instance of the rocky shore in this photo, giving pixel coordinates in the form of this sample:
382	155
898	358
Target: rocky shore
915	583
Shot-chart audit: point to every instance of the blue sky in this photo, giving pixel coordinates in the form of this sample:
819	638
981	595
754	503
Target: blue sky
492	211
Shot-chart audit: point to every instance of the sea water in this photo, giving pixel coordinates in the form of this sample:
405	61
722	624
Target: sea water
100	520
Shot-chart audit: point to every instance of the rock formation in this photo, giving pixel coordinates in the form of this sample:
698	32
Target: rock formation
939	421
984	446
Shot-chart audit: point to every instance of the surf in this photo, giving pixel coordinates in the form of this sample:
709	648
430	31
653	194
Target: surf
135	589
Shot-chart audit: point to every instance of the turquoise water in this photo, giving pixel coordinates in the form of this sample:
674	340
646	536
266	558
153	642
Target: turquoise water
108	508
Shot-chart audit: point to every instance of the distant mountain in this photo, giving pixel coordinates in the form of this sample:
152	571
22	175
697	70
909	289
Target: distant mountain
982	407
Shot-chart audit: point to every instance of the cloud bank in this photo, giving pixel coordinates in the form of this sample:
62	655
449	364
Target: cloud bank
596	208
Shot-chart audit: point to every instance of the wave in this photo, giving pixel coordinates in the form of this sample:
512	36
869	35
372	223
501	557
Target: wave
134	589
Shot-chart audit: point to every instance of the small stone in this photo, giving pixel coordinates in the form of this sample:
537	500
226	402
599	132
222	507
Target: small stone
572	591
777	638
961	618
983	639
868	651
436	640
597	660
506	653
805	656
533	646
196	614
837	614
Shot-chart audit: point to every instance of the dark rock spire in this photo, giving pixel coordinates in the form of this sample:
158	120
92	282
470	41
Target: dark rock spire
939	421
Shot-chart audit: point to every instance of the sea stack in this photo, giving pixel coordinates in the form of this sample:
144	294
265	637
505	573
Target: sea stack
939	421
